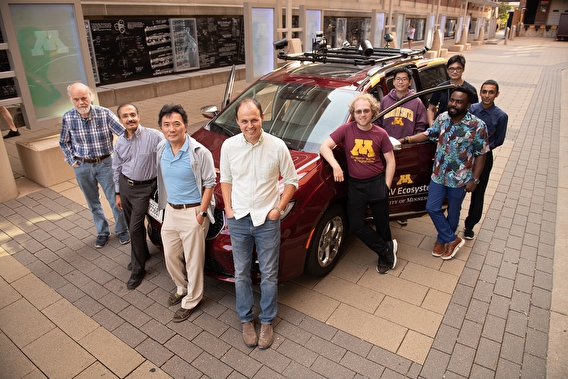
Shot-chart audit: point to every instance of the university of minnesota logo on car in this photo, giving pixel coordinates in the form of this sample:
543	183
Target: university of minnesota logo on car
404	179
406	192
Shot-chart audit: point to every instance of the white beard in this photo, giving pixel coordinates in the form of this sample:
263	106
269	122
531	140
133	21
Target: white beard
84	110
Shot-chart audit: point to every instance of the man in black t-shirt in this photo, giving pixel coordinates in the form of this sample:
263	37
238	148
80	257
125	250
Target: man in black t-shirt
439	100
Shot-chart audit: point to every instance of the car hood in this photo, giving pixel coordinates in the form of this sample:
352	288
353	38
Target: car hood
303	161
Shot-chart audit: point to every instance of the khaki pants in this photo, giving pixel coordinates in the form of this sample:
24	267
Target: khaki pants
184	252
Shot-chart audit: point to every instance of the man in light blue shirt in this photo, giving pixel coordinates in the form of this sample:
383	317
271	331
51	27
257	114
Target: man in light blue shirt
186	178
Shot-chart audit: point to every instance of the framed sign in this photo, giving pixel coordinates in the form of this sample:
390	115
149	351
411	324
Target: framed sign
220	41
184	43
127	49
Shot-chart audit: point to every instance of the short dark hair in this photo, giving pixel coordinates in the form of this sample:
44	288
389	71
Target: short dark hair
463	89
168	109
123	105
491	82
456	59
403	69
251	100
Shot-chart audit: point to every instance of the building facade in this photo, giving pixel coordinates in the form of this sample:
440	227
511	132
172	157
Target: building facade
176	36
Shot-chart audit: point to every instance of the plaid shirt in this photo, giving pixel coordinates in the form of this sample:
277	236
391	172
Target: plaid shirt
89	137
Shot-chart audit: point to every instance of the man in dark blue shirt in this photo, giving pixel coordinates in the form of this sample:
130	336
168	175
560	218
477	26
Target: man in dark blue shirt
496	121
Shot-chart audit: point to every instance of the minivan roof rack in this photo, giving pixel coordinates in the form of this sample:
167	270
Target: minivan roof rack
363	54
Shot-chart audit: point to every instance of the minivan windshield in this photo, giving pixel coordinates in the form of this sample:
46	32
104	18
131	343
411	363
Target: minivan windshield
301	115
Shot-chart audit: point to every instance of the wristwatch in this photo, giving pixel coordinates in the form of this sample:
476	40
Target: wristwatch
476	181
203	214
281	211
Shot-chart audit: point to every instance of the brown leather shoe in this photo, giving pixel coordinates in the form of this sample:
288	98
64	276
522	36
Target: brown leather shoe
452	248
249	334
438	249
182	314
266	336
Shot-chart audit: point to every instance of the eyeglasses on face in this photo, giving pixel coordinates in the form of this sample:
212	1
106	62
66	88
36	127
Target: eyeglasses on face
359	111
455	69
400	79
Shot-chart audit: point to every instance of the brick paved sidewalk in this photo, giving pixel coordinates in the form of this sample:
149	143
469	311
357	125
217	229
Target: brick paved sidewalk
65	311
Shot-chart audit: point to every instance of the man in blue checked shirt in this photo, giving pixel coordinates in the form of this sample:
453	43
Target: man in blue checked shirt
86	141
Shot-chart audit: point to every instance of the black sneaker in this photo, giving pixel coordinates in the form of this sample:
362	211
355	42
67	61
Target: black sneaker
468	234
101	241
11	134
402	222
124	238
382	268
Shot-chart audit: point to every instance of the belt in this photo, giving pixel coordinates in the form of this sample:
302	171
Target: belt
132	183
93	160
183	206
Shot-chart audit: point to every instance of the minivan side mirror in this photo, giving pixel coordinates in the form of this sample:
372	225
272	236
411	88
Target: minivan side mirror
209	111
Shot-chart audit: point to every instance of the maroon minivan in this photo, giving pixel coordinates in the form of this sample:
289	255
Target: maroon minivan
303	102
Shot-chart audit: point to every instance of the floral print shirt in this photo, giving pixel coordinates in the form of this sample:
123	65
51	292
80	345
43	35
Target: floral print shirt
458	144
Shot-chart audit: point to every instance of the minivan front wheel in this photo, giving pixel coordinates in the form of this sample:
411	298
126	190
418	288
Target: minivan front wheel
327	240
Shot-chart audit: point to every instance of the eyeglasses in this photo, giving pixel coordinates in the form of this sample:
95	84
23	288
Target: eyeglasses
402	80
455	69
359	111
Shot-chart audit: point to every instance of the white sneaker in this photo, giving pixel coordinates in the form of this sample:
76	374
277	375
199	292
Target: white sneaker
394	251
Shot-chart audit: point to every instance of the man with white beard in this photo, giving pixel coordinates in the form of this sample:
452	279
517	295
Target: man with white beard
86	140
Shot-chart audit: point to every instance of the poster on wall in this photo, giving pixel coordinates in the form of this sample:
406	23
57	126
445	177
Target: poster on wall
50	50
184	42
220	41
132	49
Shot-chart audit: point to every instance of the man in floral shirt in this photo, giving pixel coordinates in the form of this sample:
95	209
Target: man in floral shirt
460	156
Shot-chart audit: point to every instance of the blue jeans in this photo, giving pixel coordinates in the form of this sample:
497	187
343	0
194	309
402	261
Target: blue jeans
446	226
89	176
266	237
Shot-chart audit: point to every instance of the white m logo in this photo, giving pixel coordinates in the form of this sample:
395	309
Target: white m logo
48	40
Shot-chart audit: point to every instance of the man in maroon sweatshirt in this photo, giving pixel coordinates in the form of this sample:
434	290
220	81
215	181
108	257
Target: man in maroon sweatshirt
408	119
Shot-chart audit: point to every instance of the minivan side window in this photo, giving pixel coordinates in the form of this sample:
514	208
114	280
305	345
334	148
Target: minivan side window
431	77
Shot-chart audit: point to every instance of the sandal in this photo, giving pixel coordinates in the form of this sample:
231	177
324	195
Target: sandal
182	314
174	299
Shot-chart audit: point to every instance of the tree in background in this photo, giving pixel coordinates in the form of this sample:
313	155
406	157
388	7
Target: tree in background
504	9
